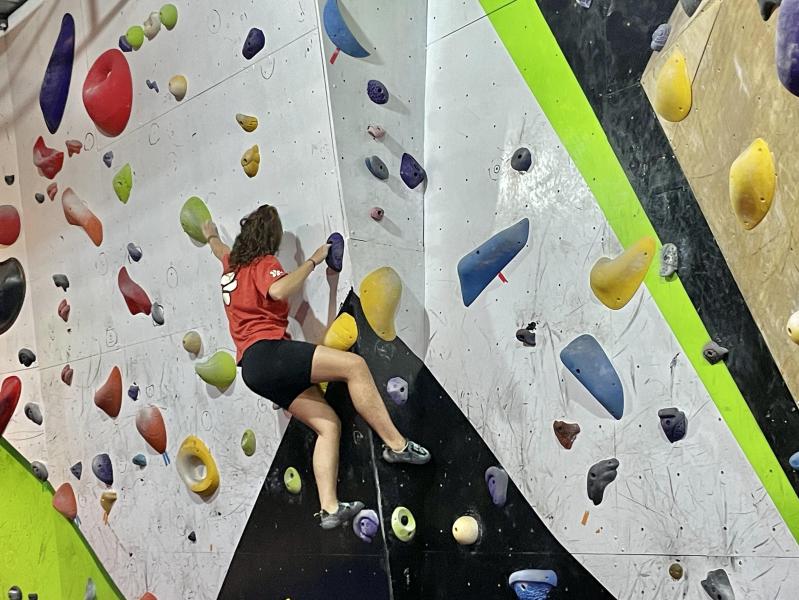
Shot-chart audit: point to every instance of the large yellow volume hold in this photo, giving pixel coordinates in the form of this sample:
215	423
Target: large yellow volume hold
753	180
342	333
673	96
615	281
380	296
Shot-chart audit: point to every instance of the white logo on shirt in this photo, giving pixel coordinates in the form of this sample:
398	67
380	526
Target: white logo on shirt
229	284
276	272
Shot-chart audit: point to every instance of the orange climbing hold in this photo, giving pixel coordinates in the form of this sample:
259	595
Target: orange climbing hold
135	297
64	501
77	213
148	596
109	397
150	424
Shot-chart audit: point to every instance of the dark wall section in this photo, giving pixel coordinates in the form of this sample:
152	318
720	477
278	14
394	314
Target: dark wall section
285	553
607	47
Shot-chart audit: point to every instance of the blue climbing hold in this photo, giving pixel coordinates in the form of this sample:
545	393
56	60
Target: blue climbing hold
339	33
794	461
124	44
133	392
335	256
140	460
254	43
497	482
102	468
58	75
479	268
533	584
411	171
587	361
377	92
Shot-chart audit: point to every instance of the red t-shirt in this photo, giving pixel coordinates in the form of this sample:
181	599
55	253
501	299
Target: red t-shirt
252	314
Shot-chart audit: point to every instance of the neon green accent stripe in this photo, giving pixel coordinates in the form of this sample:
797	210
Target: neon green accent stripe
526	35
42	552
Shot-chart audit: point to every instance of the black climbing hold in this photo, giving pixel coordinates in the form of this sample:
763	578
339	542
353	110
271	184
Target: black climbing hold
14	593
12	292
9	180
254	43
717	585
134	252
33	596
714	353
690	6
26	357
102	468
526	335
77	469
108	158
39	471
660	37
674	423
34	413
600	476
39	197
767	8
62	281
521	160
377	92
335	256
377	167
192	537
124	44
153	85
411	171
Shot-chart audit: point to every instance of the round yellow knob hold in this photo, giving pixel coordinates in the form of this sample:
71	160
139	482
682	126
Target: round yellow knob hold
793	327
673	96
466	530
753	181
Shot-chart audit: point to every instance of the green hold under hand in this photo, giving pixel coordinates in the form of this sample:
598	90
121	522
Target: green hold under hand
123	183
192	216
248	442
218	371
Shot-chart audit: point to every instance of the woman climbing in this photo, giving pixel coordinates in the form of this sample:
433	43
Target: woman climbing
255	291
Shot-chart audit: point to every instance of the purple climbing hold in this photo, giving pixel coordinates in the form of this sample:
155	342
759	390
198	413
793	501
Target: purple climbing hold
411	171
124	44
108	158
377	92
133	392
366	525
153	85
497	482
102	468
397	389
660	37
254	43
788	45
77	469
58	75
335	256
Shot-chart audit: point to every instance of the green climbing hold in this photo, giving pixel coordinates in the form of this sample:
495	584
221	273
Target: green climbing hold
248	442
292	481
123	183
403	524
135	37
219	370
192	216
169	16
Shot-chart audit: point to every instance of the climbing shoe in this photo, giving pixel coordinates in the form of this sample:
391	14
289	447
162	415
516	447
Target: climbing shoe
412	454
345	512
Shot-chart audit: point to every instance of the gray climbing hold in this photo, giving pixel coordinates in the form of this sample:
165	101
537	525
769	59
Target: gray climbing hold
39	471
34	413
660	37
39	197
377	92
133	392
108	158
600	476
140	460
33	596
717	585
377	167
690	6
91	590
134	252
527	335
61	281
674	423
153	85
9	180
767	8
714	353
521	160
157	313
669	260
77	469
585	3
397	389
26	357
14	593
192	537
497	482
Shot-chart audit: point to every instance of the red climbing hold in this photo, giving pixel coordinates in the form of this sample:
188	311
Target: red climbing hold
109	397
64	501
135	297
78	213
9	225
108	92
63	310
74	147
9	396
52	190
48	160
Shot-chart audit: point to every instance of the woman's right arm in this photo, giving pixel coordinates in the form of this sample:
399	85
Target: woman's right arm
291	283
211	234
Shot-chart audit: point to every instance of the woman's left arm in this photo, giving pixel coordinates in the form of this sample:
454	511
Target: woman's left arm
211	234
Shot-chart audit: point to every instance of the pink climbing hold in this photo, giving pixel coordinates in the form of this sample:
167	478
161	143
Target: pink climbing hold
135	297
52	190
73	147
48	160
63	310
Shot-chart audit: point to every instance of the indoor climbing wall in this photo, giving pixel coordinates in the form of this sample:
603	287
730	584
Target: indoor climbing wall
394	34
696	502
134	173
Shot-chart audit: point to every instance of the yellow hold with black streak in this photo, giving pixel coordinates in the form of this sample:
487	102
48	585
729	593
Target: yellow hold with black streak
673	96
753	181
381	291
615	281
248	123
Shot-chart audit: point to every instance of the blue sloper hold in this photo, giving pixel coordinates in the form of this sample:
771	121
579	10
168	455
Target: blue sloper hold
587	361
339	33
58	75
660	37
335	256
254	43
533	584
478	268
411	171
102	469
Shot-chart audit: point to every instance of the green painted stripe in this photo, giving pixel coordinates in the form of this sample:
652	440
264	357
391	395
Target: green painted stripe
525	33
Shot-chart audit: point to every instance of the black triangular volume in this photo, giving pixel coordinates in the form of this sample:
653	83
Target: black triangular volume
283	552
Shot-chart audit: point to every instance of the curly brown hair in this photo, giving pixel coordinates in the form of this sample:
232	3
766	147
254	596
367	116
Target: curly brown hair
261	234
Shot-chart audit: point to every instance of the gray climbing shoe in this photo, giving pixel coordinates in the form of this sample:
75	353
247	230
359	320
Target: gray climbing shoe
345	512
412	454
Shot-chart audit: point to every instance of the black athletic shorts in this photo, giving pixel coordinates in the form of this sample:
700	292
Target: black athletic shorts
278	370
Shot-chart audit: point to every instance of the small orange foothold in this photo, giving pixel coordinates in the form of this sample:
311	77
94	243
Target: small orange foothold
585	518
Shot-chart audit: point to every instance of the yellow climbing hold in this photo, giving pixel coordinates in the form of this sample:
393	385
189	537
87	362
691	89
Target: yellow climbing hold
178	86
673	89
107	500
248	123
197	467
219	370
251	161
192	342
466	530
615	281
753	180
342	333
793	327
380	296
292	481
